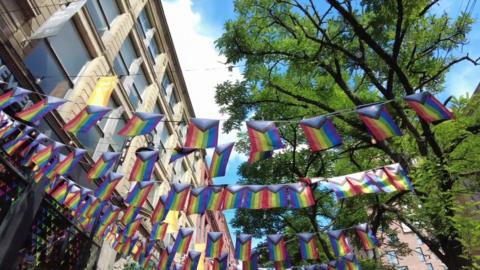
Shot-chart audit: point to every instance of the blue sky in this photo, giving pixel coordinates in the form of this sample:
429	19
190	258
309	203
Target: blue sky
196	24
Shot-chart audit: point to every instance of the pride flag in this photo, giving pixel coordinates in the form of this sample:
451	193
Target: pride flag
339	242
257	156
86	119
202	133
348	262
143	167
105	189
382	185
320	132
379	122
220	159
358	186
8	129
141	123
166	258
160	211
215	198
95	208
308	246
367	237
139	193
282	265
214	244
44	153
221	263
177	196
74	197
110	215
27	152
277	249
182	242
181	152
197	201
158	231
300	195
429	108
12	146
191	262
102	91
103	165
66	165
264	136
38	110
131	228
14	95
251	264
398	177
234	196
243	247
59	193
129	214
264	197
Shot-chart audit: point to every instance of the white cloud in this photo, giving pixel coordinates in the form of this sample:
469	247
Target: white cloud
201	63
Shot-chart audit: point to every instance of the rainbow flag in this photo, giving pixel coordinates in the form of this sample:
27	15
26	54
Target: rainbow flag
282	265
74	197
197	201
143	167
221	263
379	122
137	250
220	158
110	215
398	177
129	214
105	189
252	264
339	186
139	193
166	258
147	253
12	146
86	223
158	231
428	108
59	193
86	119
367	237
264	197
65	166
300	195
277	249
320	133
234	195
131	228
257	156
191	262
160	211
383	185
332	265
243	247
141	123
38	110
215	198
42	155
12	96
8	129
102	91
214	244
308	246
95	208
87	200
103	165
348	262
28	150
177	196
339	242
358	186
180	152
202	133
264	136
183	241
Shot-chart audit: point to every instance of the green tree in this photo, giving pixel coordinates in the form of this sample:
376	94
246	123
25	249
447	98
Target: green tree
308	58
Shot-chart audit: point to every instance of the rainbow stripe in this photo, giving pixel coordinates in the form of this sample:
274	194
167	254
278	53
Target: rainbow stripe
214	244
339	242
74	197
183	241
348	262
147	253
243	247
66	165
177	196
129	214
379	181
221	263
379	122
234	195
12	96
367	237
110	215
137	250
359	187
131	228
300	195
277	249
215	199
160	211
398	177
84	205
143	167
103	165
59	193
141	123
8	129
42	156
166	258
264	197
257	156
180	152
429	108
28	149
252	264
282	265
191	262
105	190
308	246
12	146
86	223
86	119
202	133
38	110
138	195
340	189
220	158
264	136
320	132
158	231
197	201
95	208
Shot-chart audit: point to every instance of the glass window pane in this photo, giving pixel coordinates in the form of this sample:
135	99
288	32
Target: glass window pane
95	12
118	140
173	100
140	81
165	83
110	9
90	139
128	52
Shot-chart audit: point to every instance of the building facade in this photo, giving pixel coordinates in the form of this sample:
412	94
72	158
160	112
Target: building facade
128	39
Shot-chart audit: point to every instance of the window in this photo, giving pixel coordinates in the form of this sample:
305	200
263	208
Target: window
144	26
420	254
102	12
173	100
159	129
165	83
392	257
429	266
52	60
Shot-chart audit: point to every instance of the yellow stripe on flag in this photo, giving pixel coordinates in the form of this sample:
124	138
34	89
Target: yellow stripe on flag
102	92
200	247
